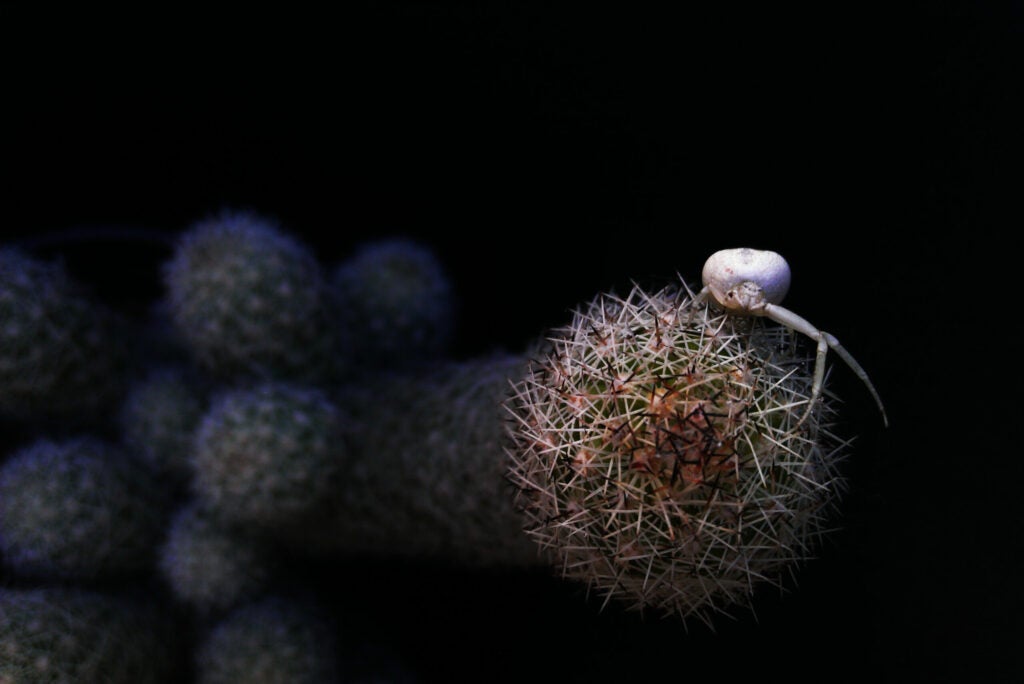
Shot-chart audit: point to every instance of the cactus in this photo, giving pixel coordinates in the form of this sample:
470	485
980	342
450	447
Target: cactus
396	295
249	299
79	509
158	419
425	478
60	352
655	455
70	636
212	568
268	456
271	640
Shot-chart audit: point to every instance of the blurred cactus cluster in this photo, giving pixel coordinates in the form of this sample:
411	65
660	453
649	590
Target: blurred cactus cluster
153	502
146	498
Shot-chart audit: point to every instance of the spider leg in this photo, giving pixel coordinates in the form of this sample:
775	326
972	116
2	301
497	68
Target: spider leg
819	377
857	369
701	297
825	341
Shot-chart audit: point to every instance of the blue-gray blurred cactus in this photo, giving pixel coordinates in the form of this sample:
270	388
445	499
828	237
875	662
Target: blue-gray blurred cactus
425	478
268	456
271	641
397	299
210	567
159	417
250	299
70	636
62	354
79	509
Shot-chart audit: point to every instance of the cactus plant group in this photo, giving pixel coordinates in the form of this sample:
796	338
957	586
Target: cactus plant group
651	450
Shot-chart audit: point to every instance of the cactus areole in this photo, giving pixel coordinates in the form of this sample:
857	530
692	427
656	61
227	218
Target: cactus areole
655	452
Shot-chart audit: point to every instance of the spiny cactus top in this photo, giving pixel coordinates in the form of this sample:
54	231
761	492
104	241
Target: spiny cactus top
396	297
60	352
250	299
655	453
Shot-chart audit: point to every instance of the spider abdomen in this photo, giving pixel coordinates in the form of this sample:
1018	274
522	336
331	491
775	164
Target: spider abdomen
728	268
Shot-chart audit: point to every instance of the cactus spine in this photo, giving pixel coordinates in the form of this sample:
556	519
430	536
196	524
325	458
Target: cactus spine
655	453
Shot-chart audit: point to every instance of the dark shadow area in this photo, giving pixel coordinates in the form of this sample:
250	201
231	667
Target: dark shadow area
550	155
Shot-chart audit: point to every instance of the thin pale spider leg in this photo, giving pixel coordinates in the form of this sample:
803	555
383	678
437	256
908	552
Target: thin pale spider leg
697	301
825	341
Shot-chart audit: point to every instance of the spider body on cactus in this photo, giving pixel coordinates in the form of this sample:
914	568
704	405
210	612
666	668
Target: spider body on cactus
656	453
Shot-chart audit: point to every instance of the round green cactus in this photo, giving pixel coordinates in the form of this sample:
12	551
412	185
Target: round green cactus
396	298
61	353
656	456
69	636
270	641
159	417
79	509
268	456
211	567
249	299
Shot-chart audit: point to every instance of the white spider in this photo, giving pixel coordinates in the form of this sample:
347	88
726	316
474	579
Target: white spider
752	282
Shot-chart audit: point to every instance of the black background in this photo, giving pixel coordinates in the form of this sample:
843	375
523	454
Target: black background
548	155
